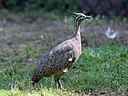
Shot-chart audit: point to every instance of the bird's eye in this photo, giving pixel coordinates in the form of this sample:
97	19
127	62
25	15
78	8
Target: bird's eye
82	16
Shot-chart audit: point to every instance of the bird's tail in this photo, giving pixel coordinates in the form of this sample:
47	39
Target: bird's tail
35	78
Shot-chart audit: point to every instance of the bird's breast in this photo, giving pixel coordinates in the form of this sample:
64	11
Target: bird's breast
77	50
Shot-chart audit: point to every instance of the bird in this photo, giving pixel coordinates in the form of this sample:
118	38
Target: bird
111	34
62	57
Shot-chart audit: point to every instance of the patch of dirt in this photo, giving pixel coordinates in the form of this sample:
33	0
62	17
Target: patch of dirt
105	94
16	30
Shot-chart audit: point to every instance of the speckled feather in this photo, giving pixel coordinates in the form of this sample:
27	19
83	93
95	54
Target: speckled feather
53	63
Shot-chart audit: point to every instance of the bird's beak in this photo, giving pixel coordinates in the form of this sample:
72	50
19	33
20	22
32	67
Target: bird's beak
88	17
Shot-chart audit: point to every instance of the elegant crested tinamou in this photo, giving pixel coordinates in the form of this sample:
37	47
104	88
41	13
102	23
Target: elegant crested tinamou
60	59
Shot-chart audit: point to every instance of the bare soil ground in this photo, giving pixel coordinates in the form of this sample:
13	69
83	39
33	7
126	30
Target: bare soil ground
17	30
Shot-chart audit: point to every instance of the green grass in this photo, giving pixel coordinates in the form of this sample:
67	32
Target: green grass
99	70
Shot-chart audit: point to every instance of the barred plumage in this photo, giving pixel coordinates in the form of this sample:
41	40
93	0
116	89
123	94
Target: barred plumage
60	59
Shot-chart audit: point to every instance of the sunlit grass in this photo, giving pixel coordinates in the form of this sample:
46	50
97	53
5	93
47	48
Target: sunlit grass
99	70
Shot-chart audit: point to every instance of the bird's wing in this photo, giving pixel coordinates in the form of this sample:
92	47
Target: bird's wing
58	58
61	57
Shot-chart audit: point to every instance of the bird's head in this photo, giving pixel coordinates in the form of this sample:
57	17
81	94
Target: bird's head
80	16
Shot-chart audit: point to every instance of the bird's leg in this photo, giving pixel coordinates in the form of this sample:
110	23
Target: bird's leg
57	83
60	85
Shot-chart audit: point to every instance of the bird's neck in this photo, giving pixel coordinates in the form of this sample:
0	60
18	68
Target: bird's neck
77	34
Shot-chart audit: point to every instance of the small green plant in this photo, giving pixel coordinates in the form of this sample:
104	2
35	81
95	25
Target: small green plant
99	70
